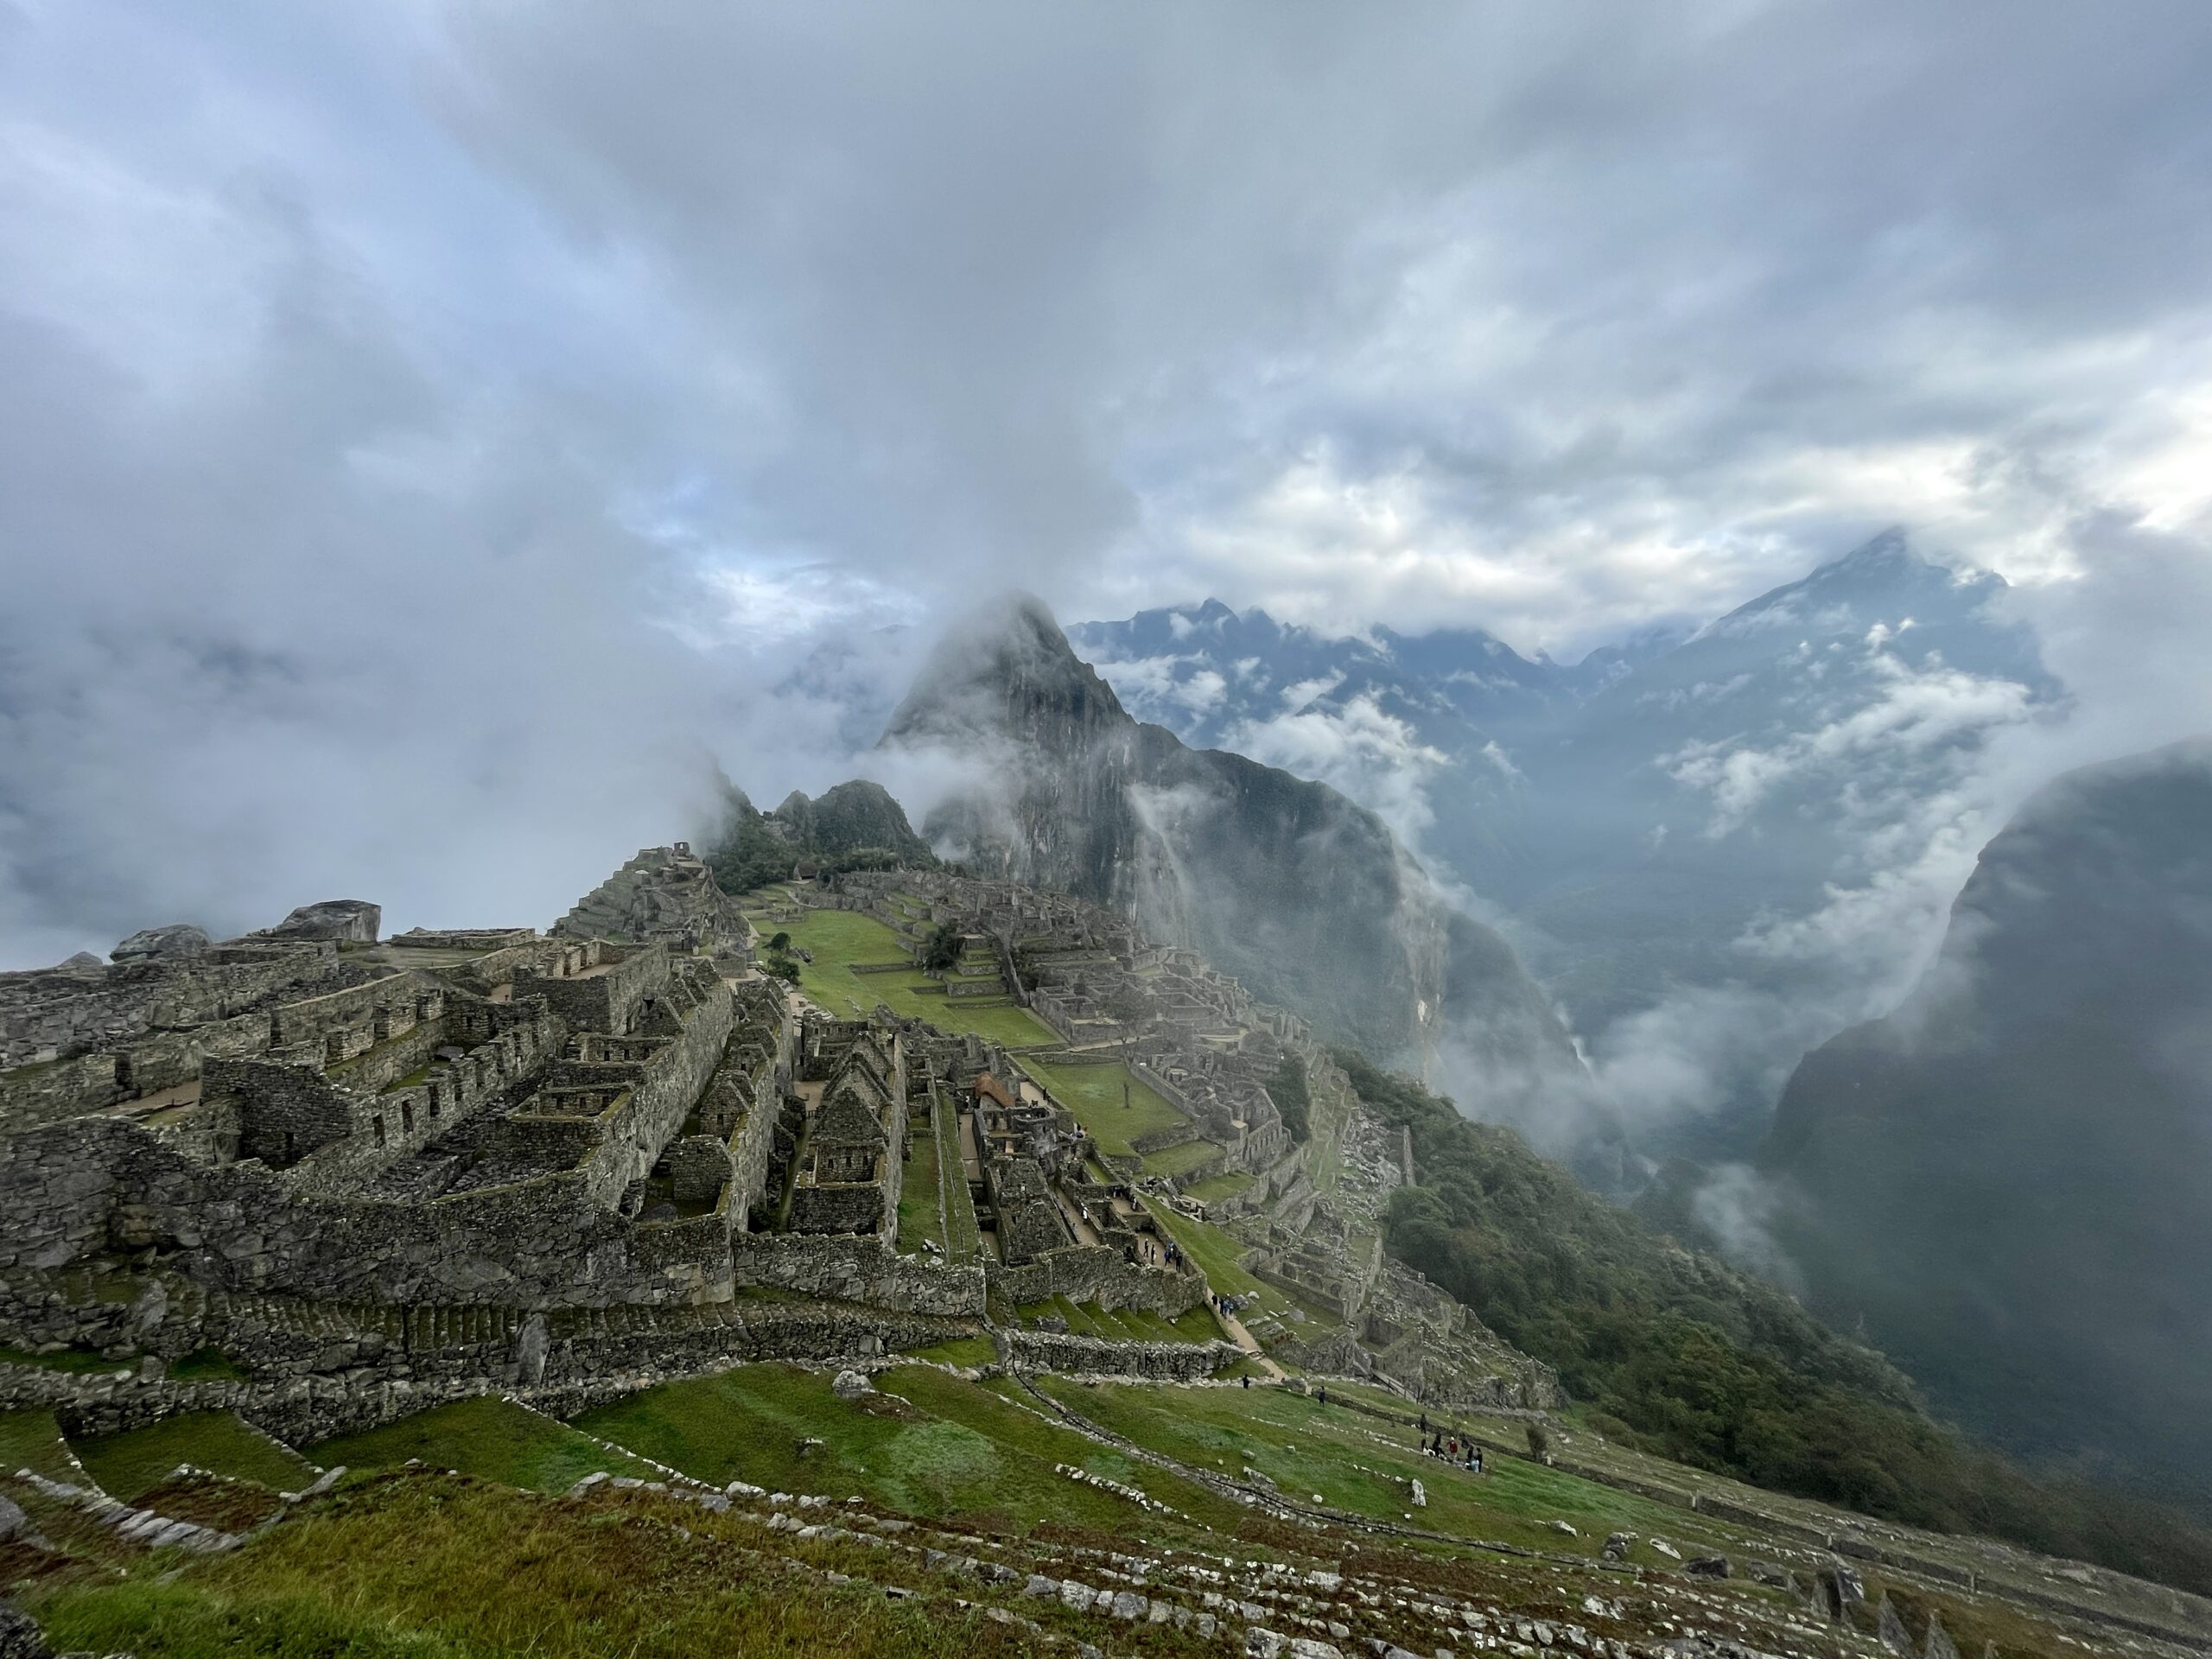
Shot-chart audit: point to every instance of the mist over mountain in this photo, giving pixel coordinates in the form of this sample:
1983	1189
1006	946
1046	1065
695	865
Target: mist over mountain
1707	842
1286	883
2008	1178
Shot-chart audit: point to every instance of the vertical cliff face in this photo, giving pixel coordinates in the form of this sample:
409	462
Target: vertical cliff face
1284	883
2010	1177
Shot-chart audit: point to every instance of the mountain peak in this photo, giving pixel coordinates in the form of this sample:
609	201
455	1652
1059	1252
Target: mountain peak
1006	659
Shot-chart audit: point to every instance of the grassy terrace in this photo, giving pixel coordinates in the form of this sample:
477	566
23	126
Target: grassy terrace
1180	1159
930	1444
1215	1188
125	1465
1093	1093
32	1440
963	1239
921	1214
1125	1324
489	1437
1357	1465
840	938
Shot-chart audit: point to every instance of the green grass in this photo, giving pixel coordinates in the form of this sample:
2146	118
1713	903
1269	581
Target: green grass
1093	1093
963	1237
930	1444
960	1350
32	1440
838	938
1306	1448
489	1437
1180	1159
427	1568
1215	1188
1124	1324
921	1195
125	1465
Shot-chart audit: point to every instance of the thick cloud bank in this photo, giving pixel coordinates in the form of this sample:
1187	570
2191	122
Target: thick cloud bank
430	431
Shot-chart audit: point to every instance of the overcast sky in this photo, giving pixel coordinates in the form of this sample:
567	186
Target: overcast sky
428	431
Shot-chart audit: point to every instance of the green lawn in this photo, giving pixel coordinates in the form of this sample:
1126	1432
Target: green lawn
839	938
489	1437
1181	1158
1215	1188
125	1465
1093	1093
920	1193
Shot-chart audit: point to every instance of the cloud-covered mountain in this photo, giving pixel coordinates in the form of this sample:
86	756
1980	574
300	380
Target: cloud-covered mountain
2009	1177
1286	883
1710	846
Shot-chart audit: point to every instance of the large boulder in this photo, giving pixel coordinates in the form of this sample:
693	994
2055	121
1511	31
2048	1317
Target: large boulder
178	939
347	921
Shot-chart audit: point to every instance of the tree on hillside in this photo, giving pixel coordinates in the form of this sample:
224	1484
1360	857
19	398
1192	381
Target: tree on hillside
941	951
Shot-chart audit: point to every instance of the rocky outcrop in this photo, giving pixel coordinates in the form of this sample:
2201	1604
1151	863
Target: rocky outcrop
178	939
341	921
2012	1174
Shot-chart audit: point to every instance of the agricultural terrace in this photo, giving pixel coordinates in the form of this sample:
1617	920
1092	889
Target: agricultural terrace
929	1444
489	1437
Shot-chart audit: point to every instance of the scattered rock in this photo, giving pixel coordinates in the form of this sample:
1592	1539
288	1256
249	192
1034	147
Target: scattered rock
1618	1545
1709	1566
851	1385
19	1635
1421	1495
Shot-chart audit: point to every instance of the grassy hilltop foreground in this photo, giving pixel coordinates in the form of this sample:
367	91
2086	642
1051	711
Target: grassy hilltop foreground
940	1509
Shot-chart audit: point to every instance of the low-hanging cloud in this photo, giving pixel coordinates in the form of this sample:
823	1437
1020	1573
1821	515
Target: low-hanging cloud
435	433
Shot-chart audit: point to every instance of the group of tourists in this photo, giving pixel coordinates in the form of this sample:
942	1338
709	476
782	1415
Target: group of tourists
1453	1448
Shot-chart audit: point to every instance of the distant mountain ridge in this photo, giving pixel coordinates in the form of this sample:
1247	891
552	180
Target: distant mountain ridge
1284	883
1650	818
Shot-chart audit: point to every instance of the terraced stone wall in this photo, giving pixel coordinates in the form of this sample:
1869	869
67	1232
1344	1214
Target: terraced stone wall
1100	1273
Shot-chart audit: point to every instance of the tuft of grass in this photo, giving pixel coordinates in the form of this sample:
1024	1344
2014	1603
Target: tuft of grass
126	1465
489	1437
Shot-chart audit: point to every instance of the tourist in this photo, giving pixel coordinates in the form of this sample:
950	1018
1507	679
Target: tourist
1324	1396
